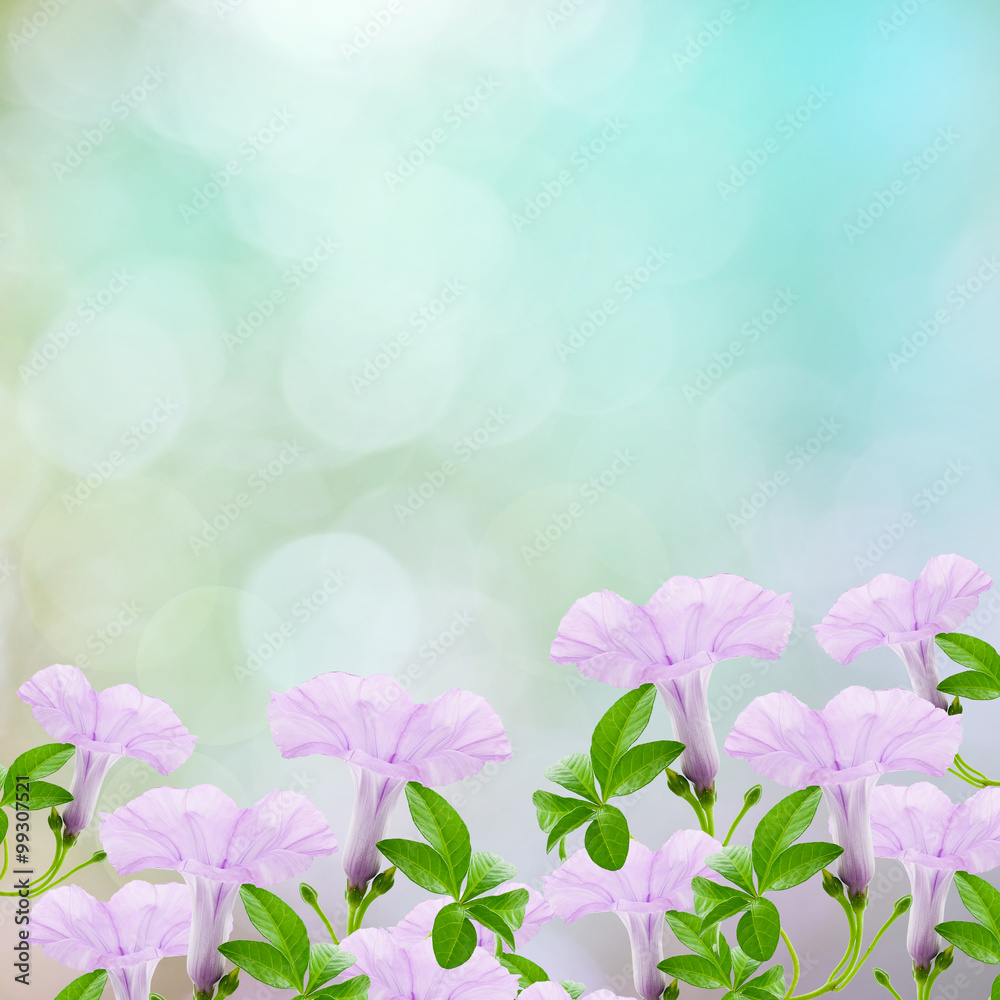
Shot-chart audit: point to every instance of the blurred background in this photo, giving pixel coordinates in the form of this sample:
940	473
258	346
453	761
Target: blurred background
321	319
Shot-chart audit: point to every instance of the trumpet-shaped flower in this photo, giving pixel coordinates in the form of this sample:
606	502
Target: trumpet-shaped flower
904	616
387	740
844	748
127	935
674	641
649	884
216	846
104	726
417	924
409	971
934	838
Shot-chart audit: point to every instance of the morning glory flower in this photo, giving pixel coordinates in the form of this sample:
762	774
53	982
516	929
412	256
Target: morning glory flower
649	884
216	846
417	924
904	616
844	748
934	838
387	740
127	935
104	726
409	971
674	641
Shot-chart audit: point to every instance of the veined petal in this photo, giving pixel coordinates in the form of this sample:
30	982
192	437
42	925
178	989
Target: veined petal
89	771
212	905
645	935
686	699
930	893
850	822
374	799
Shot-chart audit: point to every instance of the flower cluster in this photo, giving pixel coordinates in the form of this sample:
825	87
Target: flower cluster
466	941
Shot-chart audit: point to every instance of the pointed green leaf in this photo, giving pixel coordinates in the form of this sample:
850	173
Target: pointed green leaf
575	774
4	824
487	871
724	955
575	990
420	863
743	965
551	809
443	829
88	987
735	864
351	989
972	653
262	961
637	767
569	822
695	970
798	863
618	729
526	970
981	900
39	762
607	839
995	991
688	930
325	962
971	685
45	795
770	983
453	935
709	895
503	914
280	925
759	929
782	825
975	940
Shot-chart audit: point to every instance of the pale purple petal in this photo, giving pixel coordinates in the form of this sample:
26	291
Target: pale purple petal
89	771
141	923
930	893
553	991
686	698
212	905
410	971
374	798
133	982
645	935
849	803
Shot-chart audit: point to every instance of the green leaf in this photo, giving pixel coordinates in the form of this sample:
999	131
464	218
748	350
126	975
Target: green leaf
39	762
782	825
695	970
619	727
88	987
770	983
443	829
487	871
995	991
325	962
759	929
575	774
4	824
454	936
637	767
420	863
981	900
559	815
575	990
607	839
262	961
45	795
971	685
351	989
724	955
526	970
743	965
975	940
716	902
503	914
798	863
281	925
972	653
688	930
734	863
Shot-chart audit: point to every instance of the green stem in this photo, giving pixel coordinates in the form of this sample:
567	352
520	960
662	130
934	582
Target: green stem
961	763
688	796
795	964
875	940
36	891
709	813
852	944
326	922
747	806
852	929
6	858
888	986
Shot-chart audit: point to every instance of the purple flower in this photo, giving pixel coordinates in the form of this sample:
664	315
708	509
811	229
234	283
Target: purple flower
674	641
417	924
843	748
649	884
904	616
387	740
127	935
216	846
553	991
410	971
934	838
104	726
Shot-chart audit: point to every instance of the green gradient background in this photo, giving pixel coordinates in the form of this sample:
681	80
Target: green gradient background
113	577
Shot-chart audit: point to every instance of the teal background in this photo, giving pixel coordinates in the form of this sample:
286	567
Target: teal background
234	453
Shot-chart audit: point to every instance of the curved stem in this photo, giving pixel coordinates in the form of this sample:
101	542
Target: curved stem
747	806
6	858
961	763
875	940
852	925
326	922
795	964
72	871
853	945
852	967
888	986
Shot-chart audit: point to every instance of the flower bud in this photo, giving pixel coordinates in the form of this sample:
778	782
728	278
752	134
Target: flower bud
955	708
832	885
672	992
383	882
228	984
944	960
902	905
677	783
55	822
308	894
882	978
354	895
752	796
98	857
